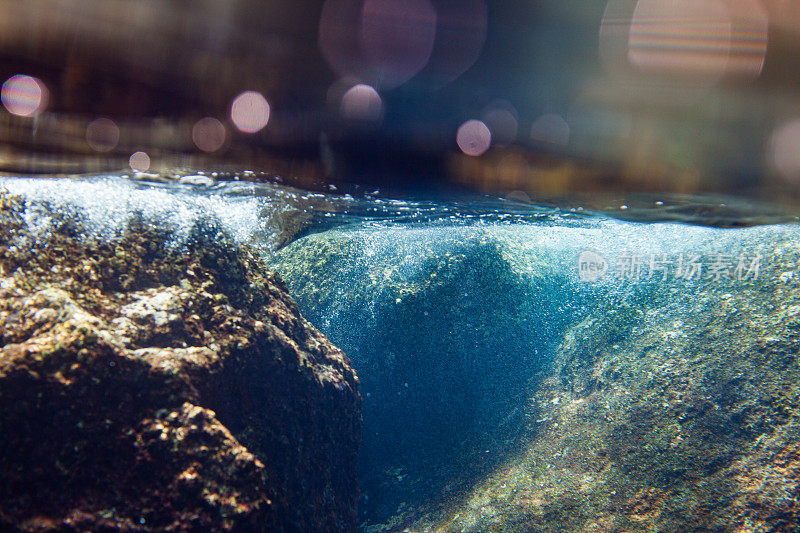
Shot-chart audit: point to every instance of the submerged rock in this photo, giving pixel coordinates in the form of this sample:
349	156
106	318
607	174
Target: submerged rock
445	326
635	402
146	386
673	411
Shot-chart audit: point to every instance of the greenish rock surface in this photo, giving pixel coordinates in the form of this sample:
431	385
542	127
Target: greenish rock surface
675	412
538	403
445	326
152	386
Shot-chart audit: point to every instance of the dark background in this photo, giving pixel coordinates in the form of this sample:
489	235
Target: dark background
157	67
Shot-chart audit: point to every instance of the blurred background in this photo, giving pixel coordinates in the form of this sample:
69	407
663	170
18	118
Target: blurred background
535	98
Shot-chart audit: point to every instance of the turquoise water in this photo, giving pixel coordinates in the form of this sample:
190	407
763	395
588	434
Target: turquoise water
454	311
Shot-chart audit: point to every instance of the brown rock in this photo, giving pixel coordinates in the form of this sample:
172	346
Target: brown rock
147	387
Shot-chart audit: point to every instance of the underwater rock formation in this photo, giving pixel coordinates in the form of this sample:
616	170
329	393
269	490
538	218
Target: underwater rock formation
674	409
630	404
445	330
153	386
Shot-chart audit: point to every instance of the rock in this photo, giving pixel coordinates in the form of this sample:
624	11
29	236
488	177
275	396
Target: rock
146	386
446	327
627	403
657	415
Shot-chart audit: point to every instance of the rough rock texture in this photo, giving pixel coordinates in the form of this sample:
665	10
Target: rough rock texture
673	409
660	404
151	387
445	333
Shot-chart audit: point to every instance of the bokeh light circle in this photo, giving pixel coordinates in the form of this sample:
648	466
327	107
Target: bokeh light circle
750	37
550	129
460	35
24	96
383	43
139	161
501	118
699	40
102	134
473	137
250	112
362	102
208	134
691	37
397	38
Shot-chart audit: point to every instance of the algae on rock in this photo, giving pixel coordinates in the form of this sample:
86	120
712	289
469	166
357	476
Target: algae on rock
677	412
445	331
148	386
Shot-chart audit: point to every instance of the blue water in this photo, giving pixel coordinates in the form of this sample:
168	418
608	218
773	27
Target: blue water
448	308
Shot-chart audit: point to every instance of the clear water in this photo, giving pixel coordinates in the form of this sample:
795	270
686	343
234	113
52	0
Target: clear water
452	309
